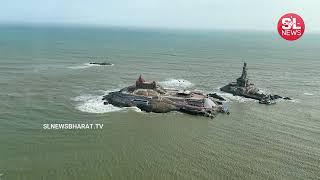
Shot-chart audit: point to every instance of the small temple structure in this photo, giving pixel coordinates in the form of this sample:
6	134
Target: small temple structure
143	84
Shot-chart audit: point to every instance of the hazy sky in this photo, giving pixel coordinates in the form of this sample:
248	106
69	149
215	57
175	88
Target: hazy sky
194	14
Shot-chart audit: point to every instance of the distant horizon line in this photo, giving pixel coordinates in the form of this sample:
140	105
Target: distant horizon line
150	28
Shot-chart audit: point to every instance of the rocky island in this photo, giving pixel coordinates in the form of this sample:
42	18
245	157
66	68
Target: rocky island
151	97
243	87
101	63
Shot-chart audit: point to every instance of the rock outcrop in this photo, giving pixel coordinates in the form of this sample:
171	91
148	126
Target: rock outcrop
102	63
151	97
243	87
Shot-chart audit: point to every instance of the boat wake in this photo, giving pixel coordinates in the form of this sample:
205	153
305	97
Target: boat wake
87	65
94	104
176	84
308	94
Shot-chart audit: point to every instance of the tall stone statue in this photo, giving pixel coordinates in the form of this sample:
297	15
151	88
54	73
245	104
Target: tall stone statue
243	81
244	71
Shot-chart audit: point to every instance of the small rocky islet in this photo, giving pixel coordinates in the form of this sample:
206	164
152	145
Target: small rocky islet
149	96
101	63
243	87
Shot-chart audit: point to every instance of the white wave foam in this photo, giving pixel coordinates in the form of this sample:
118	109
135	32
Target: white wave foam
87	65
294	100
291	100
134	108
94	104
176	83
230	97
308	94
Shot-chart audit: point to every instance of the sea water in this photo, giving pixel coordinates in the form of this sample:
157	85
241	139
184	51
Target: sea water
46	78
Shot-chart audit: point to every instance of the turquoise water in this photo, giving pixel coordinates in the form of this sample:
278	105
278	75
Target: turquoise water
45	79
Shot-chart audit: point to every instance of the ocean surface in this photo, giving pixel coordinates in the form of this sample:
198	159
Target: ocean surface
45	78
